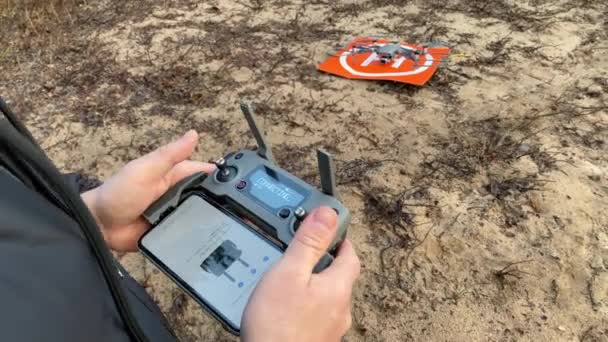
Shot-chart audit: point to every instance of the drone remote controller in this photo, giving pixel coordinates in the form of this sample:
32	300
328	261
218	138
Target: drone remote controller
251	185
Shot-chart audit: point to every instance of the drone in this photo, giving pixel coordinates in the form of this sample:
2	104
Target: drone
394	50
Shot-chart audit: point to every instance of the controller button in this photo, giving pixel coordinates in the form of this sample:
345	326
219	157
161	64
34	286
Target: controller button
238	156
284	213
241	185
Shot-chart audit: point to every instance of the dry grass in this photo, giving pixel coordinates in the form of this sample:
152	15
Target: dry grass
34	21
472	148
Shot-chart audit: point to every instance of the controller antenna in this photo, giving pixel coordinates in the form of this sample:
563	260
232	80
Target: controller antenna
263	148
327	173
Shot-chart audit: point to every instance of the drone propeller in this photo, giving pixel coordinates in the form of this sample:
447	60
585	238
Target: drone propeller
443	61
353	51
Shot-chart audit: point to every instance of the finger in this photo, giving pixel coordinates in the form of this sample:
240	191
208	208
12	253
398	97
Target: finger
311	240
188	168
346	267
348	321
162	160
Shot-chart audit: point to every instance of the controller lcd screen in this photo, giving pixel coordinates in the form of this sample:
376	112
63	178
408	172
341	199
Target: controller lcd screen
272	192
216	256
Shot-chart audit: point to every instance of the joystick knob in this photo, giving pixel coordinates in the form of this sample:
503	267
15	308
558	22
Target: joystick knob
300	214
224	172
221	165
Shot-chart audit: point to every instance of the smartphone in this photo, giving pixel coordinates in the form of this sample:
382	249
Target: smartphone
212	255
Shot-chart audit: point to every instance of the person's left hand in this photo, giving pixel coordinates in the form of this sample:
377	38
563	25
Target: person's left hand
118	204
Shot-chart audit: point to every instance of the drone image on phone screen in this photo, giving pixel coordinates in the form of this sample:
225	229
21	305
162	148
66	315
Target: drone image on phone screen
218	262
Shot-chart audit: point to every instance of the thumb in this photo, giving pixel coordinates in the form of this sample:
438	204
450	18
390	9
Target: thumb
166	157
311	240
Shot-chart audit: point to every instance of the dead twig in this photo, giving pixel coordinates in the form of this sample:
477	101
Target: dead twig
509	271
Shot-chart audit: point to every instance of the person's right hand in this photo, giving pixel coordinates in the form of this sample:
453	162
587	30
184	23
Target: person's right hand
291	304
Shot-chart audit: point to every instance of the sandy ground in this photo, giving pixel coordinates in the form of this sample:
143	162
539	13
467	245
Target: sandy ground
479	201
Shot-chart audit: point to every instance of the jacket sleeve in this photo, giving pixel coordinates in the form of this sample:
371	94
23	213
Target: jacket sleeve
80	182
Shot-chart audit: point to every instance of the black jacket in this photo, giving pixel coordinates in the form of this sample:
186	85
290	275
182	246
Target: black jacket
58	281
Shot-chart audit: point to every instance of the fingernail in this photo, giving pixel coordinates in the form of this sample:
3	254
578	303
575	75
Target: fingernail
325	217
191	134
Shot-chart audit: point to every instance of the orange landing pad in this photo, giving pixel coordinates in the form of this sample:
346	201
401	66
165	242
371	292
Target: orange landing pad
413	64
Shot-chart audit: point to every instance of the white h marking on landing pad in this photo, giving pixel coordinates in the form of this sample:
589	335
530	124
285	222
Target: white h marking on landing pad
398	62
370	59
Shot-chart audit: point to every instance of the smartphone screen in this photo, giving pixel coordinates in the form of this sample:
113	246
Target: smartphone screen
212	255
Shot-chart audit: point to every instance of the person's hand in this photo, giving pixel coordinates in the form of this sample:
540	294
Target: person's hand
118	204
290	303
